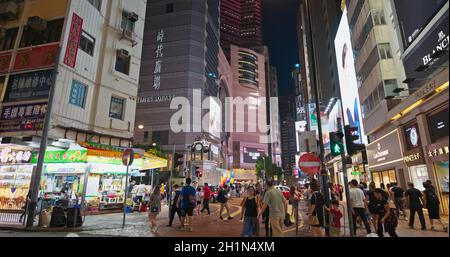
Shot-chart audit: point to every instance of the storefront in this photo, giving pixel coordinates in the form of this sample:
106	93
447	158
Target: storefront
63	176
413	156
15	175
385	159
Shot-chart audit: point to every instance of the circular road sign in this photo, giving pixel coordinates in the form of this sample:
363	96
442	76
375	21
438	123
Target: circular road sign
309	163
128	157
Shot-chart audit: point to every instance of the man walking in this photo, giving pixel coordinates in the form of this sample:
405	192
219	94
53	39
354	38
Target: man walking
275	201
399	196
173	205
206	198
222	198
358	203
187	203
414	200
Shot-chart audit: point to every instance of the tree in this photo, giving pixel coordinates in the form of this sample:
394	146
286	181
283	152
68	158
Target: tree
271	169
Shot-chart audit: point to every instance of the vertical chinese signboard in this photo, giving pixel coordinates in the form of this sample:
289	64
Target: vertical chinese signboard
70	57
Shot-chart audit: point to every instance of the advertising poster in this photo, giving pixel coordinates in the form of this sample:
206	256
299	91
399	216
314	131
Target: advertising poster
347	78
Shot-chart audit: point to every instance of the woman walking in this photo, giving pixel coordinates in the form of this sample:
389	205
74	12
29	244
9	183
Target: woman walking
316	210
250	207
431	202
371	199
155	208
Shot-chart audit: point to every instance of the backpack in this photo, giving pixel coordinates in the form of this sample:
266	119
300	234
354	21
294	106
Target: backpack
432	198
221	196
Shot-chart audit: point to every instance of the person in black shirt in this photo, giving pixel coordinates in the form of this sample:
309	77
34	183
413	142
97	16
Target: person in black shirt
414	199
387	218
432	204
399	199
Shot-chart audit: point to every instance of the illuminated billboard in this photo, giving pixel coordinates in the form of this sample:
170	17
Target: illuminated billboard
347	78
252	154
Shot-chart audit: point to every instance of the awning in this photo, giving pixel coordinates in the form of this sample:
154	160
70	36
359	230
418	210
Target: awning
151	161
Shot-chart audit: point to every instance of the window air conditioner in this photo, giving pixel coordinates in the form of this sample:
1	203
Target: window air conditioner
132	16
37	23
123	53
9	10
128	35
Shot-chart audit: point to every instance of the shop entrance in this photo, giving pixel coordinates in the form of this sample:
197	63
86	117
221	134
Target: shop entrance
385	177
441	172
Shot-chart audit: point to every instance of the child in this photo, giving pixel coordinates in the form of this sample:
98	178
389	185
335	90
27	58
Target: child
336	215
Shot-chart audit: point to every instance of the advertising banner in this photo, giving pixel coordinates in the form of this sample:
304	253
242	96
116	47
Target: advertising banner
29	86
36	57
73	42
5	60
24	117
347	78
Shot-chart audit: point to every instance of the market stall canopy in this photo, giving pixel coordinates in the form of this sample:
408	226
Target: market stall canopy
151	161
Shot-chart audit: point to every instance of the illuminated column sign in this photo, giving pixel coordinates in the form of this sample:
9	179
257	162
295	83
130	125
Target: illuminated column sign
158	62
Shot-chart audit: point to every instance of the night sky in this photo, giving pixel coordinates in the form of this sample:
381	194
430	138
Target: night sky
280	35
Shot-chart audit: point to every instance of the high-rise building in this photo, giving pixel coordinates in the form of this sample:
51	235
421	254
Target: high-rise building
240	23
180	59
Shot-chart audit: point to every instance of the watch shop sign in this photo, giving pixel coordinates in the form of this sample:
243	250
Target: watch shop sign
385	150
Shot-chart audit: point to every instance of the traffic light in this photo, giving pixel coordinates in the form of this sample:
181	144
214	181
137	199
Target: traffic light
177	160
337	143
351	135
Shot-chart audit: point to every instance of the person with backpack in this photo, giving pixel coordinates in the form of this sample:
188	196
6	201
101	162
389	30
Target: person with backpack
387	216
187	203
431	202
173	205
222	198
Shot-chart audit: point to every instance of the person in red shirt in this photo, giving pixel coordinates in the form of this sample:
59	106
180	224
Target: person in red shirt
336	215
206	198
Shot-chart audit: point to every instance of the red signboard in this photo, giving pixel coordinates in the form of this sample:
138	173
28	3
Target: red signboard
73	42
36	57
5	60
309	163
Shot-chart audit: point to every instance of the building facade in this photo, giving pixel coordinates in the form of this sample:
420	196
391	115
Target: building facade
240	23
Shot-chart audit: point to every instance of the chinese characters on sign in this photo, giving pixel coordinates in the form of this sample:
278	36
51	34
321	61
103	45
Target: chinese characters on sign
23	117
70	57
29	86
158	63
8	155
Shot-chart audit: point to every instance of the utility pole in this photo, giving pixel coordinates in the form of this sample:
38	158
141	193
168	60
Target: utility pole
36	182
323	177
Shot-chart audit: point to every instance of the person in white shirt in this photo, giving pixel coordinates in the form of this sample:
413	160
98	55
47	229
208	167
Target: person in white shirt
358	203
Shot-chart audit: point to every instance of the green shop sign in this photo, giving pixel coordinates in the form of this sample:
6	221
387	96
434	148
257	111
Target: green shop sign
62	156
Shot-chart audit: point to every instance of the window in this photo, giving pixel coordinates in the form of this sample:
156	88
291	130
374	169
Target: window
96	3
77	94
126	24
87	43
169	8
123	63
160	137
8	40
116	108
51	34
385	51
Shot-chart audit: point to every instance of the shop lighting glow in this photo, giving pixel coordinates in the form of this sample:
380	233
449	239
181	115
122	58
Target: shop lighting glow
442	87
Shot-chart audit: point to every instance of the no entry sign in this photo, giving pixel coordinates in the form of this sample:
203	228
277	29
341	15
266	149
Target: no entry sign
309	163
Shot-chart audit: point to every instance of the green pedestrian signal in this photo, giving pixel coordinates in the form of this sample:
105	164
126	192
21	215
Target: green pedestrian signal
337	143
